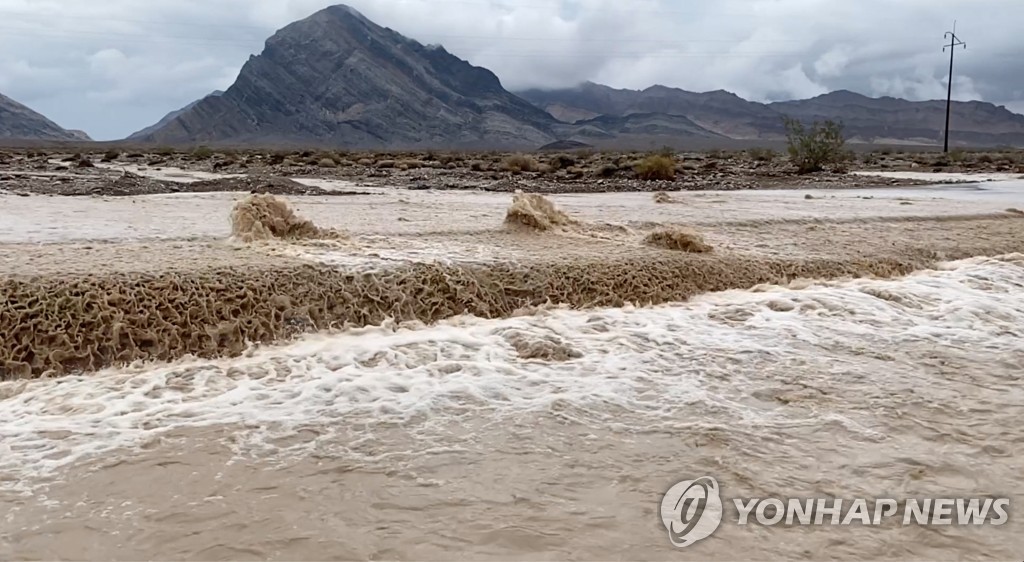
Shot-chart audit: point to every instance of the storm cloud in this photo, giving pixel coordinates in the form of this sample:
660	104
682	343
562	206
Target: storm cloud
112	67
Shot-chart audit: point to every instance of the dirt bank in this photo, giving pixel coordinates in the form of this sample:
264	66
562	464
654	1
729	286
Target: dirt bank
91	310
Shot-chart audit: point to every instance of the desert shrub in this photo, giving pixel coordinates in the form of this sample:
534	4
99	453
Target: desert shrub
164	151
365	162
871	158
202	153
666	151
814	148
656	167
327	163
110	155
607	170
985	159
585	154
762	154
560	161
385	164
519	163
958	155
411	164
478	165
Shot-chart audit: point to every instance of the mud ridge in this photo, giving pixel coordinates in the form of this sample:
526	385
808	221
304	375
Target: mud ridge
678	238
536	212
262	217
57	325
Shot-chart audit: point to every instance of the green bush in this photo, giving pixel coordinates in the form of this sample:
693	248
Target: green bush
562	161
762	154
656	167
519	163
202	153
815	148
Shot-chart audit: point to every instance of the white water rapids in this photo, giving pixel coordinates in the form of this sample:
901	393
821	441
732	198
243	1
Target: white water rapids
416	442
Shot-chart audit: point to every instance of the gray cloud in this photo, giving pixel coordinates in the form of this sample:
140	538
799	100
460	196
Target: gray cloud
115	66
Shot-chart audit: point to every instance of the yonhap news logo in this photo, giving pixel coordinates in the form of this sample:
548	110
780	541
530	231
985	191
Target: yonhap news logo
693	510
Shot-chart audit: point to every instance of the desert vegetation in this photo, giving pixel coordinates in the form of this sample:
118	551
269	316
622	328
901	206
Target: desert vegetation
656	167
519	163
817	147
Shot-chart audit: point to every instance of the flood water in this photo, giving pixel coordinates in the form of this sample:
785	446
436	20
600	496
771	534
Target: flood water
445	442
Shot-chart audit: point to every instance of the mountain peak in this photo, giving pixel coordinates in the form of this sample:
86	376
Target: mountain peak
337	78
843	96
346	10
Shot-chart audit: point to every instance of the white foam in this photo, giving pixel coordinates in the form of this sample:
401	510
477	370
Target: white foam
167	173
708	361
341	185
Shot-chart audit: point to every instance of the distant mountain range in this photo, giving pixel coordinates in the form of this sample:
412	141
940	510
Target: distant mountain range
20	122
884	120
338	79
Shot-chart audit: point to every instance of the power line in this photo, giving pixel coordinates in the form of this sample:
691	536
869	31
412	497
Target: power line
954	42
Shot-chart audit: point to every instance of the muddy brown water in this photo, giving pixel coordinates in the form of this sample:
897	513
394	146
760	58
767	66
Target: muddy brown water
547	436
442	442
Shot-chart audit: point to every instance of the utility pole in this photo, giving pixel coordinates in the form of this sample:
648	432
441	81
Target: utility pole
954	42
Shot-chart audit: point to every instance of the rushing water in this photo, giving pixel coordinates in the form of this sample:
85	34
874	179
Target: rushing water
443	442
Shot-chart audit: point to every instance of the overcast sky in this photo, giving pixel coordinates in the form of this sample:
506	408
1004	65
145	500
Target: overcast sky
111	67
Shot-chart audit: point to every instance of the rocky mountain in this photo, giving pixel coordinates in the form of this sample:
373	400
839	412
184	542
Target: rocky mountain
338	78
890	119
719	112
169	117
636	126
21	123
872	120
